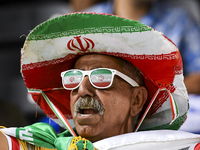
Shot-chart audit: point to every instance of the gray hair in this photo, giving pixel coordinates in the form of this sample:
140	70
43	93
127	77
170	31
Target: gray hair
130	70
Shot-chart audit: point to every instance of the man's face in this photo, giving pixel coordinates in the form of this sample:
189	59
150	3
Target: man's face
115	102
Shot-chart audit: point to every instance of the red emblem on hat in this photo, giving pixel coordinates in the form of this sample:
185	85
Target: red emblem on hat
79	43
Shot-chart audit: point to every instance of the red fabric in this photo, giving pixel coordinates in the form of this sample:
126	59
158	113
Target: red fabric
45	75
197	147
60	98
15	144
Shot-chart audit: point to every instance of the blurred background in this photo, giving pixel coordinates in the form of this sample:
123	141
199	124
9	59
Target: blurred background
18	18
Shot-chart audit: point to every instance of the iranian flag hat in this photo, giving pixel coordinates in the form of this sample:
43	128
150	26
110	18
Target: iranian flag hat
54	46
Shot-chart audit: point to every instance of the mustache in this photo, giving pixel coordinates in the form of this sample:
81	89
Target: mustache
88	102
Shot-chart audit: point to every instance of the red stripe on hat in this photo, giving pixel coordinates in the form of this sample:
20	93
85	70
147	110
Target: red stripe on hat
15	144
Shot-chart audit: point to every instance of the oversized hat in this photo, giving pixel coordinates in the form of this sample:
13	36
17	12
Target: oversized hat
54	46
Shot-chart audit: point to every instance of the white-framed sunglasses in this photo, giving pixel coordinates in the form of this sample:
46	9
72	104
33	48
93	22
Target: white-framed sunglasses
100	78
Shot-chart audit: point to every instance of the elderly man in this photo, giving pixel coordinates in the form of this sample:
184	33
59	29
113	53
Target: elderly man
100	113
113	76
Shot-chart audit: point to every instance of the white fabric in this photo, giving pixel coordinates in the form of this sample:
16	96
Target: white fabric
10	131
152	140
9	142
139	44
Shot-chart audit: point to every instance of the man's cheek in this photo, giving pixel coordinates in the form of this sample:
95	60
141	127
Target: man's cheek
72	110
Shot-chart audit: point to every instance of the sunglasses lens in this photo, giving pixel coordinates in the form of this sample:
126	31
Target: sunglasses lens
101	78
71	79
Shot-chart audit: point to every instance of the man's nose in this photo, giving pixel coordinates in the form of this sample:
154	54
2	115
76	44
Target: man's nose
86	88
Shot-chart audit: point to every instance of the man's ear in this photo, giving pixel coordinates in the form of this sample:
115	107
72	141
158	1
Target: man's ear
139	97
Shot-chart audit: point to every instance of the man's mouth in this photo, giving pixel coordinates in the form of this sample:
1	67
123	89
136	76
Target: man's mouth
88	106
88	111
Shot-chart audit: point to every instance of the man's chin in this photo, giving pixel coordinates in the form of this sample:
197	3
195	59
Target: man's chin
87	125
87	131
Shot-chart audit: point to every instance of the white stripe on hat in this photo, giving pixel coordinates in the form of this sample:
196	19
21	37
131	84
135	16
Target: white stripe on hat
136	43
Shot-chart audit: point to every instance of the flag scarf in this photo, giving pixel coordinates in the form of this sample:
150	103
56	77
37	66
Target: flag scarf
44	135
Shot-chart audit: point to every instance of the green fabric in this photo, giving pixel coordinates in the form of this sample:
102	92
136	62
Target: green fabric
85	24
44	135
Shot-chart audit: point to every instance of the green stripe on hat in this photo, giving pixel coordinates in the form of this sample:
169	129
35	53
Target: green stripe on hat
67	25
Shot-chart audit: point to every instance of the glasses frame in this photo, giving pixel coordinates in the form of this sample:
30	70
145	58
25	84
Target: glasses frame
88	73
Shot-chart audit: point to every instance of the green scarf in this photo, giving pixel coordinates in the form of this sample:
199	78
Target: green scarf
44	135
